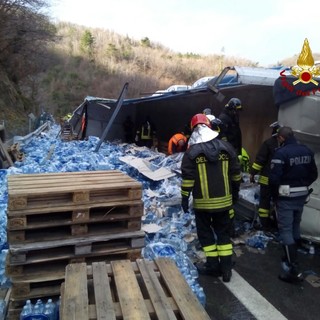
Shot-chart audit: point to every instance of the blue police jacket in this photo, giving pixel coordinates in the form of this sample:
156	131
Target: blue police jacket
292	164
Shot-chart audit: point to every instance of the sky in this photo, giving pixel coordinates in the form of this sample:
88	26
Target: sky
262	31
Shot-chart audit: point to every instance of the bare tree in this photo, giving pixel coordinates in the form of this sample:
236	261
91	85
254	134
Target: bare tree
24	33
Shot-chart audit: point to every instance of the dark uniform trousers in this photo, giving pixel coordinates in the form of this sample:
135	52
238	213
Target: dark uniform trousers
218	254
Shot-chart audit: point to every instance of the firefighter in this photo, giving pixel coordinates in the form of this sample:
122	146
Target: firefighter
177	143
146	134
261	167
230	119
293	170
211	172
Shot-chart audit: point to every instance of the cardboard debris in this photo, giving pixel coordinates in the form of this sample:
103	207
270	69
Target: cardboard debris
151	194
144	167
151	228
314	280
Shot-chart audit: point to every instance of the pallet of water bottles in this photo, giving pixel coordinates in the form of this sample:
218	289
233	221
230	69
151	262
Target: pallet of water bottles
46	308
123	289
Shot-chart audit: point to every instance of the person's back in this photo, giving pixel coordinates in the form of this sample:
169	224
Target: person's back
177	143
231	124
211	157
293	165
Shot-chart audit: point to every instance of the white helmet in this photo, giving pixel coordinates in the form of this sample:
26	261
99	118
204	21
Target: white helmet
210	117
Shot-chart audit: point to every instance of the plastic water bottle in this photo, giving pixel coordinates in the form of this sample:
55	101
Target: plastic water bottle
50	308
29	305
25	313
201	296
49	312
37	309
40	306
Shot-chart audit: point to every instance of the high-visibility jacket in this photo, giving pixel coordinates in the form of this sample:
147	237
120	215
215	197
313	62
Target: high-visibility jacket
173	145
211	171
244	160
146	131
261	164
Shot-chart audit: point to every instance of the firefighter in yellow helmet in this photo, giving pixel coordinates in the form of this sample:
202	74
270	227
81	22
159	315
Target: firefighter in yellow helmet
211	172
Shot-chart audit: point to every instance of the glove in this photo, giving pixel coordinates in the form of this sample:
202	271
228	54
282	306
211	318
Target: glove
185	204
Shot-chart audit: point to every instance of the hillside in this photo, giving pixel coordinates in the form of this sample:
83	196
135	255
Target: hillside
98	62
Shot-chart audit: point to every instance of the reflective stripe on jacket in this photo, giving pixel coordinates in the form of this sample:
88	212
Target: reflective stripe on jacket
261	164
211	171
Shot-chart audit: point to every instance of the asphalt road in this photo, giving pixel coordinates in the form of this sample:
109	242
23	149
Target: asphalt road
255	292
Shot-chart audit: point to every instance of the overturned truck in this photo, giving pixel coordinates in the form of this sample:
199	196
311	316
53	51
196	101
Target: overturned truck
267	95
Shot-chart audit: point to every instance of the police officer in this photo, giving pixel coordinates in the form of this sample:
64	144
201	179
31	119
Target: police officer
261	167
293	170
230	119
211	172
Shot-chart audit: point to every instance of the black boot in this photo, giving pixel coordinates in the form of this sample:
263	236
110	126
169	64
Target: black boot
210	268
290	271
226	266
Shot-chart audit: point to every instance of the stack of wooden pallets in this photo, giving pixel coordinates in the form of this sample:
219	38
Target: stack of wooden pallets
59	218
128	290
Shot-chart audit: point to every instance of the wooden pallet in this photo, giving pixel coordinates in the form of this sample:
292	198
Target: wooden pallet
66	225
79	246
41	280
157	291
54	269
46	217
33	191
